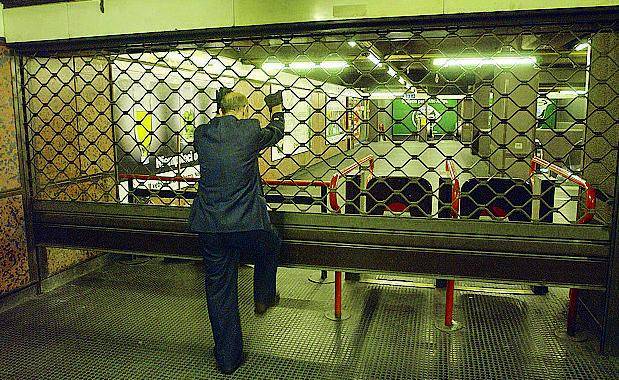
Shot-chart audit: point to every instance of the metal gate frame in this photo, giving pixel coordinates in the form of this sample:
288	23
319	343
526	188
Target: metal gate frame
579	256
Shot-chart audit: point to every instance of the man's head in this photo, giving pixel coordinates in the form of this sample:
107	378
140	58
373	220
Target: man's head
236	104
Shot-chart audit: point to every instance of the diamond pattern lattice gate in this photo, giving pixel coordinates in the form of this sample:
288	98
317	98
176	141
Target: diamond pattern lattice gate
117	125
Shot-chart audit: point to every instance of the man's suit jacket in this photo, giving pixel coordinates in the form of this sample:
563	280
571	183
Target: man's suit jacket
230	196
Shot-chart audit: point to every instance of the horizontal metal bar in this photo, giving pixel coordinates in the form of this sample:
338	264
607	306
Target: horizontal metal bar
581	272
529	231
317	233
447	242
457	248
348	242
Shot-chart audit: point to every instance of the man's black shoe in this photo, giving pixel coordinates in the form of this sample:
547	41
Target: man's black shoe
261	308
230	371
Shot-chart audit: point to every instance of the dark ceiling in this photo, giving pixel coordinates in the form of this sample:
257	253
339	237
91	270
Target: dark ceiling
412	57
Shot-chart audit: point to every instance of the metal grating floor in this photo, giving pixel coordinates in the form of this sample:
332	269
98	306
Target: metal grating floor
149	322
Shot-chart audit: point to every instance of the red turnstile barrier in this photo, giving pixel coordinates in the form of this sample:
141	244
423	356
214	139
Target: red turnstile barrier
590	203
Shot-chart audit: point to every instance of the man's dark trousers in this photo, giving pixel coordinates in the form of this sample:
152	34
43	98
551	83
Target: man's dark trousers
221	252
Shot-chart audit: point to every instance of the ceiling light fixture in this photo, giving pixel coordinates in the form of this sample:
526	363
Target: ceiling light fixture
565	94
495	61
273	66
352	43
374	59
302	65
334	64
582	46
386	95
391	71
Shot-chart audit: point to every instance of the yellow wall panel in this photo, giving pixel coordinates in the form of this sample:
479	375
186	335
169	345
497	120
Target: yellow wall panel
251	12
84	18
1	21
131	16
41	22
469	6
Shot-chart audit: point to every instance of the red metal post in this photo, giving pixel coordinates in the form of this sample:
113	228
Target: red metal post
455	199
455	190
590	204
533	167
338	295
571	312
449	303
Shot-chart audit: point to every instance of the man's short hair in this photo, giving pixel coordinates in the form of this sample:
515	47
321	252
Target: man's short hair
233	101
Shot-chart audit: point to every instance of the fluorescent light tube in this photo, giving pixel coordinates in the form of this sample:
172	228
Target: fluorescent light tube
582	46
273	66
374	59
302	65
333	64
386	95
498	61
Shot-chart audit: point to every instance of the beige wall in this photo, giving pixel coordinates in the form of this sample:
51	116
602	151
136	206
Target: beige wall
15	268
601	134
84	19
58	259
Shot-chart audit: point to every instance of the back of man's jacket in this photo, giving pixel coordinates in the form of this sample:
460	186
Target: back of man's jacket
230	196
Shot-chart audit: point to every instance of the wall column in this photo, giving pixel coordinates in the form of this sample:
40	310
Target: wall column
600	169
513	121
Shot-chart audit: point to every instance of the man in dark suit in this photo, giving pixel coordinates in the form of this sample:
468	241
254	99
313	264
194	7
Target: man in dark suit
230	214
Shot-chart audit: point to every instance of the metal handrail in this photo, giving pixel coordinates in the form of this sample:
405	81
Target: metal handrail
331	185
336	177
590	192
276	182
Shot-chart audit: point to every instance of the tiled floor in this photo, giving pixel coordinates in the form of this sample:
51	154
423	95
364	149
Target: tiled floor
149	322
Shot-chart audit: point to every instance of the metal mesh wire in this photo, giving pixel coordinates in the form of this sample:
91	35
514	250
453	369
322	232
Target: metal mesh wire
513	123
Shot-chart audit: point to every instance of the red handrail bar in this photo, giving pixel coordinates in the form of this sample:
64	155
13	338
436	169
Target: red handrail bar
590	192
283	182
147	177
294	182
332	184
336	177
455	189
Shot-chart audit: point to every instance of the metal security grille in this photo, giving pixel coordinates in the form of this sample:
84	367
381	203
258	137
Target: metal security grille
508	123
